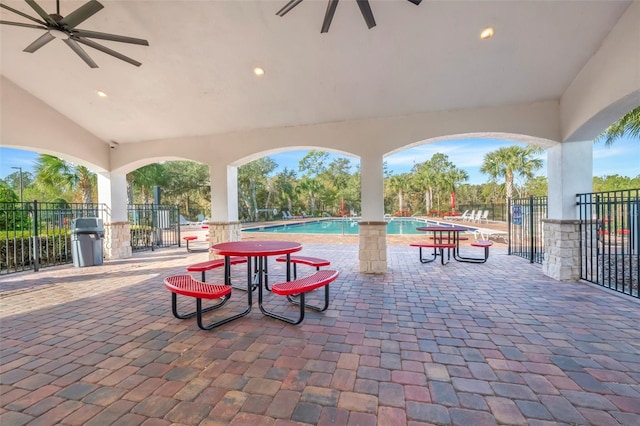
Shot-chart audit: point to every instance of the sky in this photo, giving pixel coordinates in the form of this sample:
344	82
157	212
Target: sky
622	158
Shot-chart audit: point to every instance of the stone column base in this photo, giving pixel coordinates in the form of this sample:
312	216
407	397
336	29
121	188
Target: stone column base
562	249
373	247
222	232
117	240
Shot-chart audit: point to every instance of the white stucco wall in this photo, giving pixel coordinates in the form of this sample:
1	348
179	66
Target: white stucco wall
360	137
609	84
28	123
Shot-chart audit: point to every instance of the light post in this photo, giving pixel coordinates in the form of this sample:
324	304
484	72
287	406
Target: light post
19	168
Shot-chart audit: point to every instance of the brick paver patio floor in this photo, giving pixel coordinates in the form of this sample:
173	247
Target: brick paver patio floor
463	344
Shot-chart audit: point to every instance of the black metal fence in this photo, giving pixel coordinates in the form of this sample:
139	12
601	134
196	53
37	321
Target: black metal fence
35	234
526	234
610	238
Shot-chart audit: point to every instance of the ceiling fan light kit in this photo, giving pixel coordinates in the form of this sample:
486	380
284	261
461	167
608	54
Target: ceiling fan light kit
365	9
58	26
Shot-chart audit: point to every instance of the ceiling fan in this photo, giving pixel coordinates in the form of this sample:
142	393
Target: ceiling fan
58	26
365	9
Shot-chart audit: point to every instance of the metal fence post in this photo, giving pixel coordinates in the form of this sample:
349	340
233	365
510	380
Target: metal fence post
36	232
509	226
531	231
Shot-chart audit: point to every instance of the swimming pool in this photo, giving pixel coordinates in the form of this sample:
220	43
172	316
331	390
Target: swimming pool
396	226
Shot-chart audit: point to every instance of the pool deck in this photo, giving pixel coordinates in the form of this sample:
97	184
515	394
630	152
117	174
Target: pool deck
497	229
461	344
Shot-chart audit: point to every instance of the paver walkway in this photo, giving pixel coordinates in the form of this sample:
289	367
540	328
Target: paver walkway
462	344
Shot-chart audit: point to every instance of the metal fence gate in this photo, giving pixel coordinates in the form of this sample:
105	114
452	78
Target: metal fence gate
526	236
153	225
609	239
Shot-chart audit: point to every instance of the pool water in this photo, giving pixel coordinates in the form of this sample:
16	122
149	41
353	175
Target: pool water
396	226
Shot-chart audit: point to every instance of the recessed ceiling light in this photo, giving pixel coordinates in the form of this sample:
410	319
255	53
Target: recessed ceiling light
258	71
487	33
102	94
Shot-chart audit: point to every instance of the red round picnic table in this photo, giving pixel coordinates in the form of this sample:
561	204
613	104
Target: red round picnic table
256	248
258	251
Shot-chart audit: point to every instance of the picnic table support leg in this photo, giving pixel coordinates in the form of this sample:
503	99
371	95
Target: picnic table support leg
215	324
315	308
174	307
260	272
265	272
442	256
459	258
227	270
423	260
280	317
227	274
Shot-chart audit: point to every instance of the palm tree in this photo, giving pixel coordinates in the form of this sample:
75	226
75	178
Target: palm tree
285	181
54	172
399	184
627	125
425	178
511	161
144	179
436	175
453	177
310	187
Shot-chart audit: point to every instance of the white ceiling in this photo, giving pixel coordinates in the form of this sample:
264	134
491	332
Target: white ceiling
196	76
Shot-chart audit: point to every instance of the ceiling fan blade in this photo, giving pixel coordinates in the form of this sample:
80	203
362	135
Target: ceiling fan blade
287	8
367	14
39	42
108	51
80	52
22	14
81	14
20	24
112	37
40	11
416	2
328	16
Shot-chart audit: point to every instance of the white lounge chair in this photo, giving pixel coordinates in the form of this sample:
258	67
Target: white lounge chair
477	217
185	222
463	216
471	216
484	217
489	234
290	216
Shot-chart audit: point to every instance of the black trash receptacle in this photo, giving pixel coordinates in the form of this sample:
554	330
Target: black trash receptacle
87	235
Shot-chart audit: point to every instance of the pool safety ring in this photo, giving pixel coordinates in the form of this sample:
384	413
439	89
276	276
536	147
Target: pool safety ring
275	211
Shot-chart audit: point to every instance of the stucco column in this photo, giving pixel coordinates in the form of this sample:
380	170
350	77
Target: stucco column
372	249
224	225
569	172
112	191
